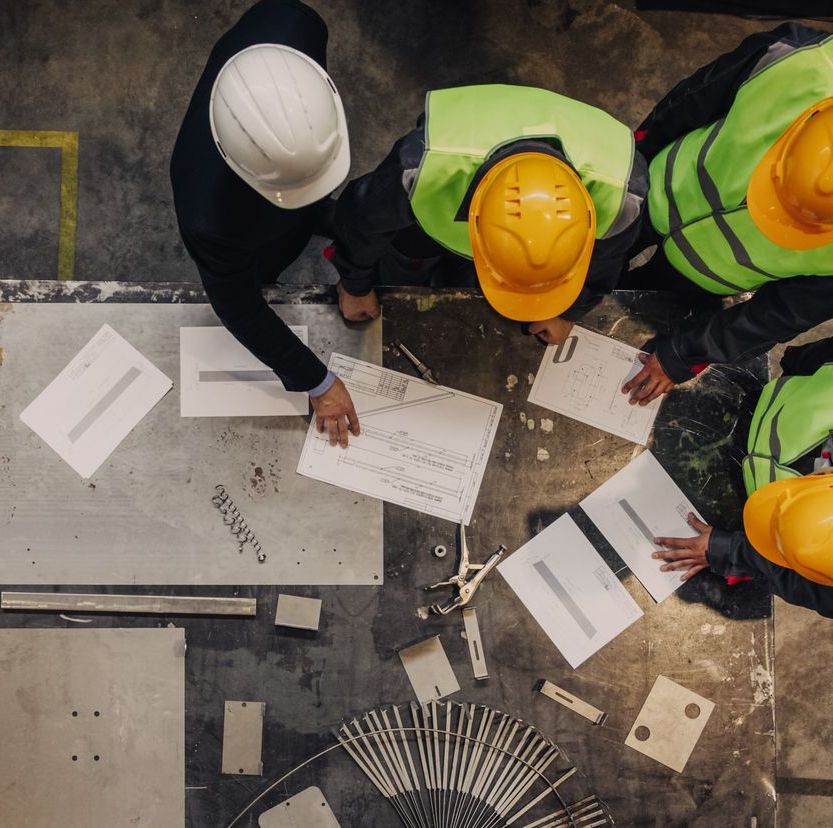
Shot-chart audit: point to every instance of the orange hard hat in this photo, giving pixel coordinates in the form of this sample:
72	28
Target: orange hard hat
790	194
790	522
532	226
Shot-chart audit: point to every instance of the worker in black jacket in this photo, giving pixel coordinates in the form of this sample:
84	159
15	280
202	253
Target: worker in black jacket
262	146
433	212
788	522
741	199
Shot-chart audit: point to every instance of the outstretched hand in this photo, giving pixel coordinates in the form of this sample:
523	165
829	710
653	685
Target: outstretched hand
335	412
651	382
686	553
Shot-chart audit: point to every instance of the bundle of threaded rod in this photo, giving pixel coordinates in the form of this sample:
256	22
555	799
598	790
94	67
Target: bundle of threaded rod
449	765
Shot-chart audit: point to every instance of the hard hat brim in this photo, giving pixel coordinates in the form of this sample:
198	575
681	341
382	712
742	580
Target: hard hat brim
758	513
769	215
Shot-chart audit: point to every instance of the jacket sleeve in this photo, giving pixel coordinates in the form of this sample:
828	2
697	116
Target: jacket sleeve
236	294
708	94
730	553
371	211
776	312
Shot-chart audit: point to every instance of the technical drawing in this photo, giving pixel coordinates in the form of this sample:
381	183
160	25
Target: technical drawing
422	446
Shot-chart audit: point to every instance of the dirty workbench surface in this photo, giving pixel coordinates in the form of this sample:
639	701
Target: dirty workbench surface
714	640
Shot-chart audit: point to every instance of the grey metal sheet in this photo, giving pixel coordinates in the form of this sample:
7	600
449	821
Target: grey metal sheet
146	516
93	725
307	809
157	604
243	738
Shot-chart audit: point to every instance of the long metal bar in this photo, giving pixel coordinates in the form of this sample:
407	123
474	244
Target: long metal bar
133	604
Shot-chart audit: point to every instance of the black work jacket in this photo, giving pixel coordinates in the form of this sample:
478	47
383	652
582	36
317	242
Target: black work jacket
778	310
237	238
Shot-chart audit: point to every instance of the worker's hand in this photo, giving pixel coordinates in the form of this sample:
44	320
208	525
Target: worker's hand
651	382
686	553
358	308
552	331
335	412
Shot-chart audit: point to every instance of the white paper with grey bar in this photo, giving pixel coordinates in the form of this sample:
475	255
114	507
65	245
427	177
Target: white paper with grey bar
571	592
641	502
219	377
96	401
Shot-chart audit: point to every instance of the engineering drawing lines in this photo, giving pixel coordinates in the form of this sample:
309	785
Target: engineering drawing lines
421	446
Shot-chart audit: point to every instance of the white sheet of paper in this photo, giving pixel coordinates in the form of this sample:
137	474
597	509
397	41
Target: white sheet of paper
219	377
637	504
570	591
96	401
422	446
583	379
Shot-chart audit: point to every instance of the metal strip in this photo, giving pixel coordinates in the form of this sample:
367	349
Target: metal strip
558	694
138	604
478	657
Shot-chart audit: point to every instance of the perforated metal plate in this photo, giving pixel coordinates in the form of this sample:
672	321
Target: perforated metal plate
93	727
308	809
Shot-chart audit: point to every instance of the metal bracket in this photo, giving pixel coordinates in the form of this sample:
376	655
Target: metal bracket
558	694
478	657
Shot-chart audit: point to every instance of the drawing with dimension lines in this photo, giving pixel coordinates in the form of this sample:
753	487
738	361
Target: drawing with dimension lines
422	446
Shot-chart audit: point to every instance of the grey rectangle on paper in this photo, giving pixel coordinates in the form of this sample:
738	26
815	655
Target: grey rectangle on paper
80	428
257	375
637	521
566	599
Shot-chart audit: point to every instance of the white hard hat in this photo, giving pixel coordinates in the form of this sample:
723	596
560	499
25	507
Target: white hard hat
278	121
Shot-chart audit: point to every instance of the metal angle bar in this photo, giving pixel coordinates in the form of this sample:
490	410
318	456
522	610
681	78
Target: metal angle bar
543	795
528	749
467	711
503	739
485	725
138	604
580	813
539	760
477	791
419	740
353	754
407	749
455	766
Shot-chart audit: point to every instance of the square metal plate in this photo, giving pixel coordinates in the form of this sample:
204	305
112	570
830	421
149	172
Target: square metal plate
93	727
298	612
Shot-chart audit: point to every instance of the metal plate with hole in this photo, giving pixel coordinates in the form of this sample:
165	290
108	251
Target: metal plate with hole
472	631
308	809
429	670
243	738
93	725
297	612
670	723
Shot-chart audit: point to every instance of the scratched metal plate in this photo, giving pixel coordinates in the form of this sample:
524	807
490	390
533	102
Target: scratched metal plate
93	725
146	516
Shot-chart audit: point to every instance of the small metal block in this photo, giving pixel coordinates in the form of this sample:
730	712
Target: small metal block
297	612
439	551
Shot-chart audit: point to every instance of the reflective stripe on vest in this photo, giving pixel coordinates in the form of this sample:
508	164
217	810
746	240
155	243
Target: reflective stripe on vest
794	415
697	197
465	125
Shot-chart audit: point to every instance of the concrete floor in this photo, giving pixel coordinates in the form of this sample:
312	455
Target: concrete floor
120	74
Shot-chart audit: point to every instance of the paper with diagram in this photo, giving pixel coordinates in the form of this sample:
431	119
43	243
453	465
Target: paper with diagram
570	591
219	377
422	446
583	377
96	401
637	504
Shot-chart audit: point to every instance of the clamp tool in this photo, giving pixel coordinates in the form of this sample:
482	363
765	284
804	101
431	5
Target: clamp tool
465	585
424	371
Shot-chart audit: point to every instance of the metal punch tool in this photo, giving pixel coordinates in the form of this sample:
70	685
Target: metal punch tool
424	371
466	584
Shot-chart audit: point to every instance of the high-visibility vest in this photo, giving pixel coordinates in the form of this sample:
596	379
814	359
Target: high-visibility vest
697	195
466	124
794	416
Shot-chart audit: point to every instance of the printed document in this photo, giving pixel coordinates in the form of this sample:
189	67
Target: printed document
219	377
96	401
421	445
637	504
583	377
570	591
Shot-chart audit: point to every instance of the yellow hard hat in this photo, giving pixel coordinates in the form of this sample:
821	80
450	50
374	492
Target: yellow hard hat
790	522
532	226
790	194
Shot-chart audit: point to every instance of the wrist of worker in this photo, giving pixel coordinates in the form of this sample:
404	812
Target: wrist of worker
676	367
324	386
719	551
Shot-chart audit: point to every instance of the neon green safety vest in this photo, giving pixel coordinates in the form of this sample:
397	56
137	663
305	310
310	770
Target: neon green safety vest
697	196
465	125
794	416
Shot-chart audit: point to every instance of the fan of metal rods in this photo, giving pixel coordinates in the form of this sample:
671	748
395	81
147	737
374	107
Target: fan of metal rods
451	765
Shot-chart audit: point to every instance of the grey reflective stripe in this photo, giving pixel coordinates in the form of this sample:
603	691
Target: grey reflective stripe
774	446
776	390
712	195
775	52
675	230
